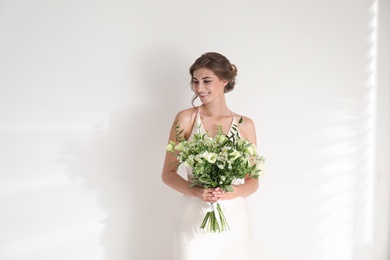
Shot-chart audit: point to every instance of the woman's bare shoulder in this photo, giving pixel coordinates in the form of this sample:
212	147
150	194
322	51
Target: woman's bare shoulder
246	127
185	120
186	116
245	121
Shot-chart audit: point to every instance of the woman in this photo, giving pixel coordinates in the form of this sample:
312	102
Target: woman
212	75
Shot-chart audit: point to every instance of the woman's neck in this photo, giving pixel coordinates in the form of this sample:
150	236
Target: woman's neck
216	110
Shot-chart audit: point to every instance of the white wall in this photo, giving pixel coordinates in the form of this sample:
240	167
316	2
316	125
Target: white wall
89	89
383	138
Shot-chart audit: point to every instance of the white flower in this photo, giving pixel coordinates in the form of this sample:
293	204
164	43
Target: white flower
179	147
261	166
224	149
251	149
198	158
220	138
171	146
234	155
190	161
210	157
229	165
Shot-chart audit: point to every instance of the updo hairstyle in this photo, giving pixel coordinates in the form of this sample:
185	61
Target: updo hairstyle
219	65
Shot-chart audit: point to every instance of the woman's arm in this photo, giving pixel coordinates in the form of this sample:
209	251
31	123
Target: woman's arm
170	175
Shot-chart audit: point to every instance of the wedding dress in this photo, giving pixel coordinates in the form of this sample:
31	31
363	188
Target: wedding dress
193	243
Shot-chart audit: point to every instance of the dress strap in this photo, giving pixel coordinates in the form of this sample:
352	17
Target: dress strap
234	125
197	125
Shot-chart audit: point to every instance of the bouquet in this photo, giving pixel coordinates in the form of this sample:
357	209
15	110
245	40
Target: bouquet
217	162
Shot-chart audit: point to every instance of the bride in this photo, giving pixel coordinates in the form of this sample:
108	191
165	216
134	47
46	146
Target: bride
212	75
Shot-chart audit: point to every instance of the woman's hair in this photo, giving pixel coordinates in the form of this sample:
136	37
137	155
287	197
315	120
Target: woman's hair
219	65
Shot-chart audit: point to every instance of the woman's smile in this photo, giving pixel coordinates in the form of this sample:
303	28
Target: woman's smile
203	95
206	84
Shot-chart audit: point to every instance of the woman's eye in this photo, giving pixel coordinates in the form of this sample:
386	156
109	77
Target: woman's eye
207	81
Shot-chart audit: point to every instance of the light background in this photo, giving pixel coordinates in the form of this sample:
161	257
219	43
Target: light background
89	89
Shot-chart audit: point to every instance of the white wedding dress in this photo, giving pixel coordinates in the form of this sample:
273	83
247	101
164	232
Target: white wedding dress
193	243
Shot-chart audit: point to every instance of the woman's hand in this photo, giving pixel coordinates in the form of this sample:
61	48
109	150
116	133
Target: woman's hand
213	195
219	194
206	195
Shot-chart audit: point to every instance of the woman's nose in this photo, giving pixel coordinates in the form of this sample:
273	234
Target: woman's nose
199	86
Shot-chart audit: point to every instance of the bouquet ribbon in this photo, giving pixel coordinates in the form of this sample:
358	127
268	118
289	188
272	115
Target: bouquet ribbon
215	220
215	209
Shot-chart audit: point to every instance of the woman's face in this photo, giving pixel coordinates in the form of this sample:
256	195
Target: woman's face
207	85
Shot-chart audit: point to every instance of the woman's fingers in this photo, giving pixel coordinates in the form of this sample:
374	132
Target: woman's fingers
207	195
213	195
223	195
218	194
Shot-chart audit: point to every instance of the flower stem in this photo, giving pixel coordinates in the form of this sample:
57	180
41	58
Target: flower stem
212	224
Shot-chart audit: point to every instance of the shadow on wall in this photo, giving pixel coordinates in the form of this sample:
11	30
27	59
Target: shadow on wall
123	166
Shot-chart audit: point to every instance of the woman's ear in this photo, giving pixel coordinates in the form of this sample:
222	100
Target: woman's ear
225	82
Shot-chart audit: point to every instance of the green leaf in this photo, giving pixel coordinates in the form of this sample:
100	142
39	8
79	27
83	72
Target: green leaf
205	179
